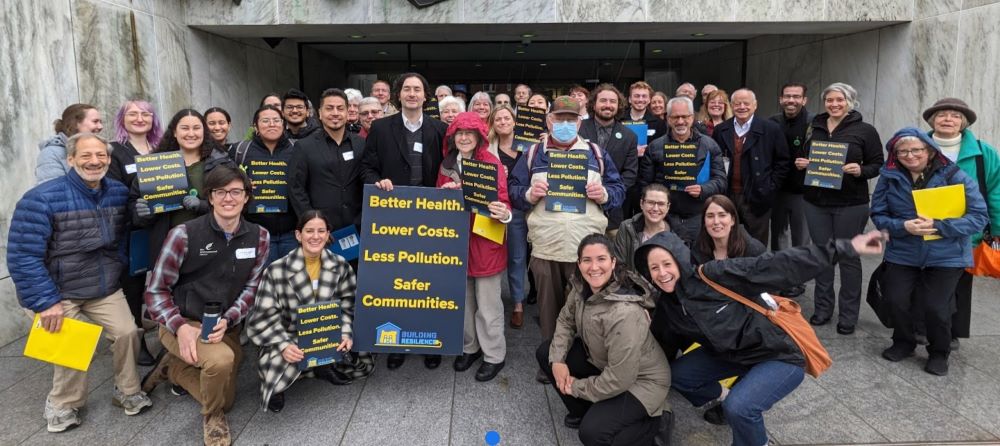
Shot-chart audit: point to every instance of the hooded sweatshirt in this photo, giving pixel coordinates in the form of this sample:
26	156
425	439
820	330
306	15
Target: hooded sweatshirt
486	257
729	330
51	159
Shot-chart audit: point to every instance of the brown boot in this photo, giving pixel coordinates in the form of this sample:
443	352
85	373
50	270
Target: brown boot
517	319
159	372
217	430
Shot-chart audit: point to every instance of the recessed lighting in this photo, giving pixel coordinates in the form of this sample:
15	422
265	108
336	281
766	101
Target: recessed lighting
607	64
479	65
357	36
543	64
698	35
382	53
657	51
519	52
527	35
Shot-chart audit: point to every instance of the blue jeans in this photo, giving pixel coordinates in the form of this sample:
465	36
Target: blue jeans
517	255
281	245
696	376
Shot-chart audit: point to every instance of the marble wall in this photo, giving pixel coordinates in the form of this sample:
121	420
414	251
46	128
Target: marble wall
951	48
55	53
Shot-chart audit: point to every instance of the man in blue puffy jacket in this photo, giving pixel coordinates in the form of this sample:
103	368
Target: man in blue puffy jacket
65	258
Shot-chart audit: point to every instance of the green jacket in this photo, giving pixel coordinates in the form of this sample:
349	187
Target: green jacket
614	326
972	147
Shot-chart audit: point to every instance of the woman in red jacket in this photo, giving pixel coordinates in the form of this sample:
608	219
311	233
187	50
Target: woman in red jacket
484	337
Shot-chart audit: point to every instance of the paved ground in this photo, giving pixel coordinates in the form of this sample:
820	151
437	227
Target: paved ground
862	399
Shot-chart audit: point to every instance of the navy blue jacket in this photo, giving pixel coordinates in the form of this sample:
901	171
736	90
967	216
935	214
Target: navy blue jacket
892	204
764	164
65	241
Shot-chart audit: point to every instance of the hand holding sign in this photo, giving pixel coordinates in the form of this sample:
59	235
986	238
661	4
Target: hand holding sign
539	189
596	192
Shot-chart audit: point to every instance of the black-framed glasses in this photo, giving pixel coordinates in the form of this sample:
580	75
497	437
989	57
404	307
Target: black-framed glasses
220	194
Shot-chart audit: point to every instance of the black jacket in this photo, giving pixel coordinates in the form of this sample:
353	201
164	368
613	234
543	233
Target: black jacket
329	181
311	126
695	312
863	147
754	248
275	223
797	131
621	149
764	164
682	203
387	155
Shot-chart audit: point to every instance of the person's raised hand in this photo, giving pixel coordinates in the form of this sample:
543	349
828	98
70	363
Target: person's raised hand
870	243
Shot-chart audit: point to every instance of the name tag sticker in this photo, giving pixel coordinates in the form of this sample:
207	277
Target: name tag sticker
246	253
418	147
348	156
130	168
650	132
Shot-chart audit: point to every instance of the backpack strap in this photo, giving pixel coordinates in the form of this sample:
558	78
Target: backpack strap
981	178
241	152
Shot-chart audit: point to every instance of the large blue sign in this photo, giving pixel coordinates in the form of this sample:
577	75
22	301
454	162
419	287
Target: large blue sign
412	271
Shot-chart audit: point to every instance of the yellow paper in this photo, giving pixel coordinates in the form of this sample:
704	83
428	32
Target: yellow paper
728	382
489	228
72	346
940	203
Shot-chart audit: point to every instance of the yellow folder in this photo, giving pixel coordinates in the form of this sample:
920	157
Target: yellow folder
940	203
489	228
72	346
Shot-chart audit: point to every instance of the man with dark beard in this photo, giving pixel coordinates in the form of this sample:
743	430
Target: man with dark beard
620	144
295	107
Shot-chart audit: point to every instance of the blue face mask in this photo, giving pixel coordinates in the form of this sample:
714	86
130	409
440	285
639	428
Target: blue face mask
564	131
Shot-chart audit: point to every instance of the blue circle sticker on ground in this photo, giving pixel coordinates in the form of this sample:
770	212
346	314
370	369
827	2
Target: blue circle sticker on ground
492	438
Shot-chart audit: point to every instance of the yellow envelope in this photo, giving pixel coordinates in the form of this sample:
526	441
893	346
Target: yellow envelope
940	203
72	347
489	228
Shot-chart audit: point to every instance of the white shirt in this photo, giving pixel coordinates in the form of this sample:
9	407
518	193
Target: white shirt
412	126
742	129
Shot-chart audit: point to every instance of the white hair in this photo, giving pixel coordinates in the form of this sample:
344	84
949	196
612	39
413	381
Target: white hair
353	95
481	95
684	99
445	87
850	94
73	140
451	100
370	101
753	96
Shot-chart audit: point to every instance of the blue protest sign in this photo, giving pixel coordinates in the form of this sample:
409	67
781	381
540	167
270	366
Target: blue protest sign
412	271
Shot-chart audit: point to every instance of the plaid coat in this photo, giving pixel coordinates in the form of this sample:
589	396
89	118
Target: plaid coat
284	287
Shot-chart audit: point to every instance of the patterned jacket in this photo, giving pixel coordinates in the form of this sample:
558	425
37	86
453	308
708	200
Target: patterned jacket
284	287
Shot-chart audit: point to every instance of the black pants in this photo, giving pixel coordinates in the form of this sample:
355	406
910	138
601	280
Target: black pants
961	321
906	287
757	225
133	288
621	420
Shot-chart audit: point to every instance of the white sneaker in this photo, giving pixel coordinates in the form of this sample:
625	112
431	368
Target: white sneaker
60	419
133	404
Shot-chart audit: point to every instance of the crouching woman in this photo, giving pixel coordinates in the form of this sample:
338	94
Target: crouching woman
308	275
603	360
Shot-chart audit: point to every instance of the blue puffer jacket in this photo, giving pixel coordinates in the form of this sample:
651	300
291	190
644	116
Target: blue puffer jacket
65	241
892	204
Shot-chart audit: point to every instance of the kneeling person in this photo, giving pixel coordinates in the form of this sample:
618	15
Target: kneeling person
308	275
62	267
214	259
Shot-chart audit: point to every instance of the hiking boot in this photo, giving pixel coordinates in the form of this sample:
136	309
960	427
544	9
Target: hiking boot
937	364
60	419
133	404
897	352
216	430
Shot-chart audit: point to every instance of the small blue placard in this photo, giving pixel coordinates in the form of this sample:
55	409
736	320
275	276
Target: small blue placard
641	129
346	242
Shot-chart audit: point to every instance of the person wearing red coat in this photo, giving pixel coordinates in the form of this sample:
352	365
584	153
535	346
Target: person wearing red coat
484	331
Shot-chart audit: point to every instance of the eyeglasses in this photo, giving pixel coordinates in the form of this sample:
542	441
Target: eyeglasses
295	107
133	115
220	194
913	152
272	121
656	204
369	112
680	117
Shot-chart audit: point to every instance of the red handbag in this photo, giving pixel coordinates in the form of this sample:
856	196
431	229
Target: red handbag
788	316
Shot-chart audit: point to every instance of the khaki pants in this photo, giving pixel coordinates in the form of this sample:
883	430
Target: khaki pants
484	318
552	279
69	386
212	380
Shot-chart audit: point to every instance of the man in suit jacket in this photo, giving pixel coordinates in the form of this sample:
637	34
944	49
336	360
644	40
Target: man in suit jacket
326	166
759	162
617	141
405	150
